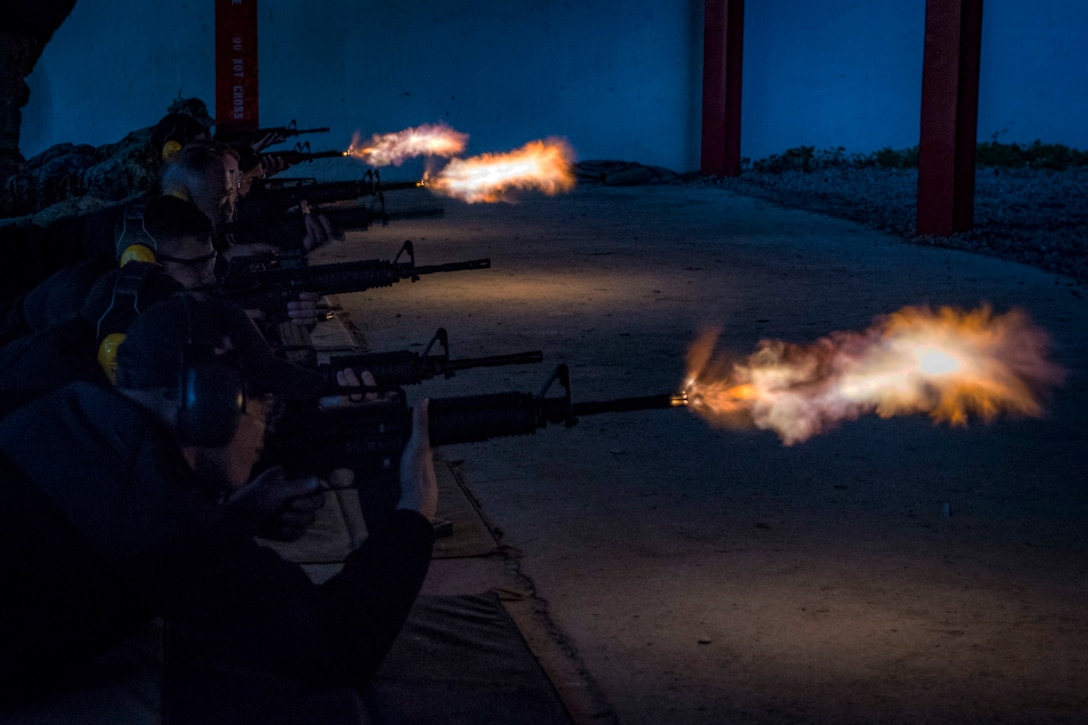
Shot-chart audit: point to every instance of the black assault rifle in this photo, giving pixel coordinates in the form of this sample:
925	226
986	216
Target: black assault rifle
279	195
285	230
266	281
369	437
405	367
231	135
302	153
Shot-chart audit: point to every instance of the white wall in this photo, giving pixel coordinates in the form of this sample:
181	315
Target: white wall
619	80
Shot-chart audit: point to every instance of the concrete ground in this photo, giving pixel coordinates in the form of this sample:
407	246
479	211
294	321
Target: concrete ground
888	570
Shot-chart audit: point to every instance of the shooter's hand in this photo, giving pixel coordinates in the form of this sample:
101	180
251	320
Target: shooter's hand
319	230
303	311
269	139
418	482
347	378
272	164
282	508
252	249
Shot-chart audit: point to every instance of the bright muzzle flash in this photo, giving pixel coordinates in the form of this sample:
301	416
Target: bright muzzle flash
546	166
949	364
436	139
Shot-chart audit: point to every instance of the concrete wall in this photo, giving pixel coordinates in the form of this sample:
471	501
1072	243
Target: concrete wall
619	80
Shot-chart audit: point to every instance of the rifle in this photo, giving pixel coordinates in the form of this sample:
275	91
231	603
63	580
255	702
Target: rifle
277	195
231	135
408	368
286	229
260	281
302	153
368	438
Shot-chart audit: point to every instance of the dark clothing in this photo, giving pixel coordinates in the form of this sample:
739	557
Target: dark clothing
34	365
57	299
109	526
28	256
30	253
77	311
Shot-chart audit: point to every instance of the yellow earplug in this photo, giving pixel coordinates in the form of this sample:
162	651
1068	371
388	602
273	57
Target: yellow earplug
107	354
170	151
137	253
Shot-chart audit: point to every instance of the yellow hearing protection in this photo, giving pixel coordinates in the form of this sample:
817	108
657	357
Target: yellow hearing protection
137	253
124	307
170	151
107	354
140	246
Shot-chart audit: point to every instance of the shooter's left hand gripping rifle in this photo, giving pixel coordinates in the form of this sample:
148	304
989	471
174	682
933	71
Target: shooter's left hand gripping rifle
368	437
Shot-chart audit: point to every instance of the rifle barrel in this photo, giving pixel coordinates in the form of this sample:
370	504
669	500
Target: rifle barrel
484	263
298	157
491	361
626	405
400	185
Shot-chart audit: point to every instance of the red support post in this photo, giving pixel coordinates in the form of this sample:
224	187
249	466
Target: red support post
723	43
236	105
946	150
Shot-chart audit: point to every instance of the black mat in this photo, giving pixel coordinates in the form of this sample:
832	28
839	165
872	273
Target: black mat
459	659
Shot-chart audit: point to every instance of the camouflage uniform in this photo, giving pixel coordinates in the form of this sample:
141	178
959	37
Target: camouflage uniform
108	174
126	168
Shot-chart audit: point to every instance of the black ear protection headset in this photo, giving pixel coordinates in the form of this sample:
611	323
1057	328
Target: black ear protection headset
211	389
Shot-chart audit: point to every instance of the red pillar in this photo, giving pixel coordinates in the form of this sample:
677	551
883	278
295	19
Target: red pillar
946	152
236	104
723	41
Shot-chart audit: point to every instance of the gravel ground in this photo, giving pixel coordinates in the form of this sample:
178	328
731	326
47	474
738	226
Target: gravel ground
1037	217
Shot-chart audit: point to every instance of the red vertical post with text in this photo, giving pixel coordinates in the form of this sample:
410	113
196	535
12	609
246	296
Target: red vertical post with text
723	52
946	149
236	91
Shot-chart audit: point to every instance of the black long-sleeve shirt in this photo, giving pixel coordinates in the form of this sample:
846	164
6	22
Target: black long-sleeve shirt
103	525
